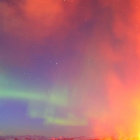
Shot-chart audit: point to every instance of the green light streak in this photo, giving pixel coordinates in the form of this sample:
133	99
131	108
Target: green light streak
49	117
41	104
65	121
56	98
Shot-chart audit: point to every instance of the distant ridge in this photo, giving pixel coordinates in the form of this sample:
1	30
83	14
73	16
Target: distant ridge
35	137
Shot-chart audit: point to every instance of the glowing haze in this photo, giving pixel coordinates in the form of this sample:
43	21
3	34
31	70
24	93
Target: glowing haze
70	67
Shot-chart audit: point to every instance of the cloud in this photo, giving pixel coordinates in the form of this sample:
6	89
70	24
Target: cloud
121	71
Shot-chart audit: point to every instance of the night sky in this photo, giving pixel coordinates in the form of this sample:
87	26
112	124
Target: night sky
70	67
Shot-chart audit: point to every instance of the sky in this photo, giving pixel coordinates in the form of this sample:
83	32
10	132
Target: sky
70	67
